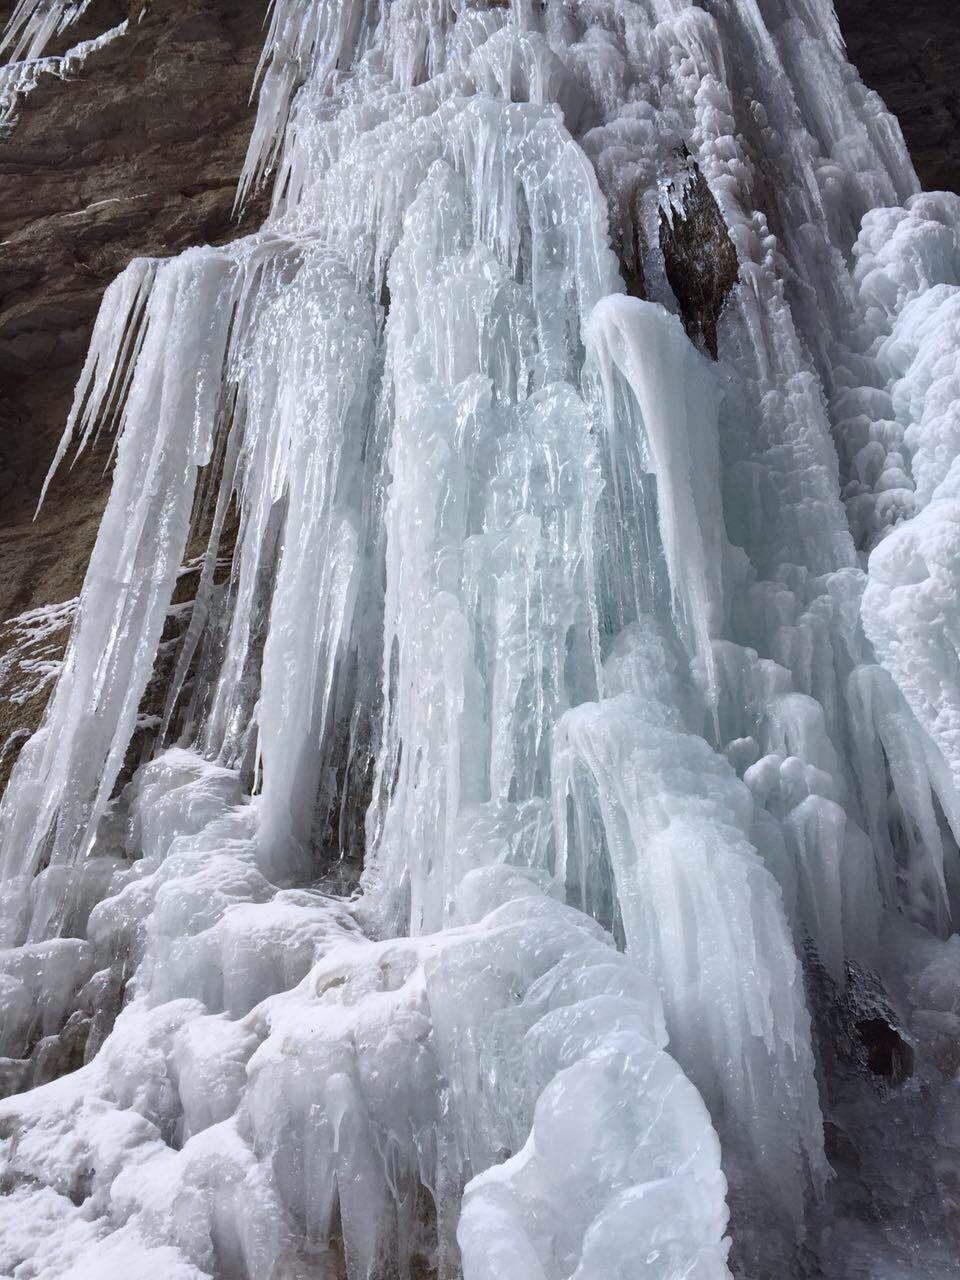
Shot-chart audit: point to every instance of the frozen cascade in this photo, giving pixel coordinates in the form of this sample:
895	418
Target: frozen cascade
562	738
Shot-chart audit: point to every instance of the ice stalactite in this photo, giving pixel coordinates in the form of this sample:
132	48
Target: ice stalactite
468	881
167	437
33	23
676	399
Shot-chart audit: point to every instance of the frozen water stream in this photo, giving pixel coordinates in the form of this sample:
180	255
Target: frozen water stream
628	676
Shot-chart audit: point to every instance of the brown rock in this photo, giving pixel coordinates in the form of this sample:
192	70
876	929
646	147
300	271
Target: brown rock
699	257
909	54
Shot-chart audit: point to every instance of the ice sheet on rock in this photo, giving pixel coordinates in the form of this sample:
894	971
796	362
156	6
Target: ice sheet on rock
33	23
31	654
27	64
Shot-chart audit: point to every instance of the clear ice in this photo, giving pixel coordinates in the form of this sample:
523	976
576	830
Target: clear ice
627	675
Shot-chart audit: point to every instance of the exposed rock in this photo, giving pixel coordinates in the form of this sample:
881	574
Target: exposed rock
630	244
888	1054
909	54
859	1030
698	254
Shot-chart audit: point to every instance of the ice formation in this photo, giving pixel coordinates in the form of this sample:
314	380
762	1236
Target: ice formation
29	31
628	676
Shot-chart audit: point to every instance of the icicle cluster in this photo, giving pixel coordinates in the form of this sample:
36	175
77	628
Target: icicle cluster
29	31
568	633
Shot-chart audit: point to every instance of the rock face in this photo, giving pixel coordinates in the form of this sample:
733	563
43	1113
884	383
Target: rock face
909	54
139	155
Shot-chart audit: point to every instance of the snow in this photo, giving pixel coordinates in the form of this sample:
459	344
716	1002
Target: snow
28	651
627	675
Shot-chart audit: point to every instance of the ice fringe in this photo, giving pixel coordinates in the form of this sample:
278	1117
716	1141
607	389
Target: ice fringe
29	30
517	586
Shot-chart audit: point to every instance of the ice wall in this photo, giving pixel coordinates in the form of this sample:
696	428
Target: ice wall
565	631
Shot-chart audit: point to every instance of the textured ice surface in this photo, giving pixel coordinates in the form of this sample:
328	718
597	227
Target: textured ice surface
627	676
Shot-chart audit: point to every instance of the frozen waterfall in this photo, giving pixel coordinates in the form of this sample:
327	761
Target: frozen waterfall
530	850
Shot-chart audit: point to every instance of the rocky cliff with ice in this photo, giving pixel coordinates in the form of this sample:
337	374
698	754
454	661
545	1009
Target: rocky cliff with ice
135	150
497	814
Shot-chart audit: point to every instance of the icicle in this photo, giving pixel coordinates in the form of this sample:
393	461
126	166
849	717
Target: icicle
322	429
701	915
64	777
33	23
677	399
27	64
114	346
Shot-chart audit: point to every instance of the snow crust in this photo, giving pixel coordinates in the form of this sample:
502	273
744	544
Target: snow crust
629	676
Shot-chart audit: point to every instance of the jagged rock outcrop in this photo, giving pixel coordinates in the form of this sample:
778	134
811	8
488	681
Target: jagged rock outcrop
698	255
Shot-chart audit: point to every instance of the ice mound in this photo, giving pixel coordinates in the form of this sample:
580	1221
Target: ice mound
370	1088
